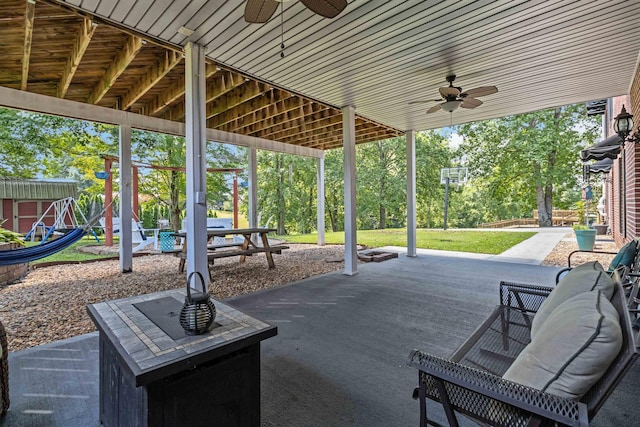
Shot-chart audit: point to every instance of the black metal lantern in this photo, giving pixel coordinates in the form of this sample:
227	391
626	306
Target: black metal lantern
623	124
198	312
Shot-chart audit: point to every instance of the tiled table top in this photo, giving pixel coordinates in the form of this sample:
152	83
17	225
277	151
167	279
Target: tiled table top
146	348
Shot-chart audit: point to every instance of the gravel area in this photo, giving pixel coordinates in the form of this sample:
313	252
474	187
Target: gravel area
558	257
49	304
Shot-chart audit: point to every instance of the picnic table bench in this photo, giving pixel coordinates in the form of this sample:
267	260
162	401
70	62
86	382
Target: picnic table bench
493	376
241	249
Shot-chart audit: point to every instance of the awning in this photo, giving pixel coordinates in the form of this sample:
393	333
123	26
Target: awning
606	149
601	166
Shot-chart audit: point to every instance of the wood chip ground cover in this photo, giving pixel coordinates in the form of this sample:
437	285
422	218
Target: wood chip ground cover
49	304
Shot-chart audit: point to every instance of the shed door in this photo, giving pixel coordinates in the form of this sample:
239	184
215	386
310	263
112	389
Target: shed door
26	212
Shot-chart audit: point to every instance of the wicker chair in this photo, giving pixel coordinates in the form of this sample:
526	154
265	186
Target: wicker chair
4	372
470	382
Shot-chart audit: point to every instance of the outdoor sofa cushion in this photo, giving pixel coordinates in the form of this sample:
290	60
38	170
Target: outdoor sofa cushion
625	256
573	348
586	277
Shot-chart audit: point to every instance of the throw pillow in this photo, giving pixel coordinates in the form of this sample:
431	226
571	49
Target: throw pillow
573	349
625	256
584	278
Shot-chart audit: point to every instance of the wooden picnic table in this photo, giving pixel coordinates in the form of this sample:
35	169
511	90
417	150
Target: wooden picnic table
242	249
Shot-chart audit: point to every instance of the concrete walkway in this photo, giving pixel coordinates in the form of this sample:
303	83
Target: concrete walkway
536	248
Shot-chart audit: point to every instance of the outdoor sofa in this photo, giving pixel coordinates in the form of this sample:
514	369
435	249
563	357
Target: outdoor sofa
545	356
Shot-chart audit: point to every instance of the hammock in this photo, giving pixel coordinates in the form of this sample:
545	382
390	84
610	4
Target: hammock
32	253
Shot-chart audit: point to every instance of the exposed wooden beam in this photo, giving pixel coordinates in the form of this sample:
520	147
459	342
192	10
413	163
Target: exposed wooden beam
219	85
29	13
359	140
276	99
270	116
117	67
171	94
251	89
150	78
28	101
329	132
324	129
80	45
325	121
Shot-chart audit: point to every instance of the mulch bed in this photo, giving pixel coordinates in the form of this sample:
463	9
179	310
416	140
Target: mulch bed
49	304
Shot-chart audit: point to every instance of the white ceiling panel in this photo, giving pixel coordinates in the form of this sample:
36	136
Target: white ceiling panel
379	55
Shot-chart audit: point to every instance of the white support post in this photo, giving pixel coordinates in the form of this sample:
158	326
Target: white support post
350	234
196	167
410	138
320	201
126	256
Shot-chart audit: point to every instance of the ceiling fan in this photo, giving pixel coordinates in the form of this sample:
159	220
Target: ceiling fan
259	11
453	97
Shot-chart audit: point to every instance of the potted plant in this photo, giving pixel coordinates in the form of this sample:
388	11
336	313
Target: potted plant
585	236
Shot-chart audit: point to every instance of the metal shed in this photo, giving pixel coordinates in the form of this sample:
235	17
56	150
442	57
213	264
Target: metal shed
22	201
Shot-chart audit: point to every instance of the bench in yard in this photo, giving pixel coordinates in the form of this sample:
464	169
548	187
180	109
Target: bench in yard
544	356
242	253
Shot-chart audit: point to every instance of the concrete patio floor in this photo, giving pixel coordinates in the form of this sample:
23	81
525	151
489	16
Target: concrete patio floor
339	356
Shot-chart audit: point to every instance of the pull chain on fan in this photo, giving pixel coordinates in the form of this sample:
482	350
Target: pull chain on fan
282	30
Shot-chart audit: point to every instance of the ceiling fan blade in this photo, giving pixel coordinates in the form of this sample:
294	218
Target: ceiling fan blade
326	8
449	91
259	11
424	101
480	91
470	103
433	109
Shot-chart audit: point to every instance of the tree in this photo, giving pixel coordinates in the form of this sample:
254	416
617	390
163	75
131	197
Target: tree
530	154
381	182
432	154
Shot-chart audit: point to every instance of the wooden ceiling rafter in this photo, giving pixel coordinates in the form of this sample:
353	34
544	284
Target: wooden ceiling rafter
151	77
172	94
274	98
268	117
337	142
85	58
324	119
220	84
80	44
117	67
29	15
275	101
332	132
329	126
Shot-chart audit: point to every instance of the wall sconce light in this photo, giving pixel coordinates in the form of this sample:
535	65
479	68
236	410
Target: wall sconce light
623	125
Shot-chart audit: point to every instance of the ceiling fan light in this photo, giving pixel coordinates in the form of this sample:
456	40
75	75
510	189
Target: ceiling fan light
450	106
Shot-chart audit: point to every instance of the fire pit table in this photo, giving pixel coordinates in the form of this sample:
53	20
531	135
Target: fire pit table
153	374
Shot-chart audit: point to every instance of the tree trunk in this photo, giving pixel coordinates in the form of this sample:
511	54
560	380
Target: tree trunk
383	217
333	215
280	196
175	201
544	199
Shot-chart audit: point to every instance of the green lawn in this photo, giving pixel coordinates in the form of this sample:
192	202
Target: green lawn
71	253
484	242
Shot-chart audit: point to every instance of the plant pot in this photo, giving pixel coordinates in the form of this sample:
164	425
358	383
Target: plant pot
601	229
586	239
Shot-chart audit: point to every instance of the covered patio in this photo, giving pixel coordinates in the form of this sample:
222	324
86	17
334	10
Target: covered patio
198	70
339	356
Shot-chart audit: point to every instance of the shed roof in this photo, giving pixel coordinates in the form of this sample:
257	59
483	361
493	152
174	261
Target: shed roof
37	189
